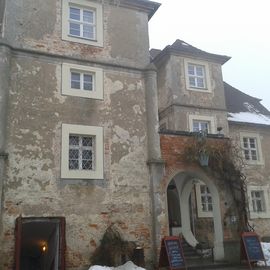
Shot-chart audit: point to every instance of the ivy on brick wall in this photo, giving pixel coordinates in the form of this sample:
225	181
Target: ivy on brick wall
225	162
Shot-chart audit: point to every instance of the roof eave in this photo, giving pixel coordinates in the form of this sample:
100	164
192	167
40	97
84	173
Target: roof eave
222	59
149	7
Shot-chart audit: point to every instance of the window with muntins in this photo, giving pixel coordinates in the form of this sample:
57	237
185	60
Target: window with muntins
81	152
196	76
258	203
206	199
250	148
82	22
81	81
201	126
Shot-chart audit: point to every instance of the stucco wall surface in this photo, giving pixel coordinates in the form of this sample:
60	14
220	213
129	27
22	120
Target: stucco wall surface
33	186
37	25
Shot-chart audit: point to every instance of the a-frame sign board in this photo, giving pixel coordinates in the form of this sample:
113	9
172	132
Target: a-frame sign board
171	253
251	249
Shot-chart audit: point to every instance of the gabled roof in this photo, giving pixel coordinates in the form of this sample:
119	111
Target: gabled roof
243	108
181	47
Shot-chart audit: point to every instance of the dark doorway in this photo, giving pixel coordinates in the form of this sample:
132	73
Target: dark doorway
40	243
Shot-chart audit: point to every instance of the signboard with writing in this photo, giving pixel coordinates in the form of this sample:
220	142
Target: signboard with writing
251	247
171	253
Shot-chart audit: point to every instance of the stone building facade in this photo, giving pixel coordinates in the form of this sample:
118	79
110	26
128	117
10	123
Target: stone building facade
81	105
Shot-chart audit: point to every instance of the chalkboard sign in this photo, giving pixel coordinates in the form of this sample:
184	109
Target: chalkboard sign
171	253
252	248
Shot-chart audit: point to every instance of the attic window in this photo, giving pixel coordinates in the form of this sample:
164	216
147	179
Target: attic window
251	108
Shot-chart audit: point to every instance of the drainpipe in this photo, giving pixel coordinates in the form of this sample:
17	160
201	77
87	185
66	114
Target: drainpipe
4	92
155	163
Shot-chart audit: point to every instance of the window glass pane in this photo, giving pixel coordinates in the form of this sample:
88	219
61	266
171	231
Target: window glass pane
199	71
210	207
191	70
75	80
200	82
87	154
253	154
73	153
252	143
73	140
192	81
74	13
88	16
246	152
88	82
86	164
74	29
88	31
87	141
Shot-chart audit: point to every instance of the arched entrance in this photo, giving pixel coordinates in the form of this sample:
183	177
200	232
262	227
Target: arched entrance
185	189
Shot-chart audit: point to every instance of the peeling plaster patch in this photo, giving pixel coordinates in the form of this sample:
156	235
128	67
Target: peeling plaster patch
131	87
35	133
116	86
137	109
121	135
175	96
24	131
58	91
18	67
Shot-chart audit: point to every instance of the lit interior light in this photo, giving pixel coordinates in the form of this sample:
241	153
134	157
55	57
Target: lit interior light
44	248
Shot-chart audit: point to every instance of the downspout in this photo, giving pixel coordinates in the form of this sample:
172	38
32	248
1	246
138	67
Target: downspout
5	56
155	163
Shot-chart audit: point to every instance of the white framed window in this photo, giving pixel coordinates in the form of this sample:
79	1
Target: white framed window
197	75
82	22
258	198
204	200
82	81
199	123
251	147
82	152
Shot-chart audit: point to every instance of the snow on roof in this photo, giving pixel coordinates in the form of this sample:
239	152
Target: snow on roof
127	266
249	117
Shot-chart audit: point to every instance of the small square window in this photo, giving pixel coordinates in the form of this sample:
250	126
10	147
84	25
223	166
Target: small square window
82	22
250	148
197	75
82	152
199	126
82	81
258	201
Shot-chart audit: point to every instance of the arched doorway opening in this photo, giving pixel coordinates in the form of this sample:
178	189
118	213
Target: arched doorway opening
194	211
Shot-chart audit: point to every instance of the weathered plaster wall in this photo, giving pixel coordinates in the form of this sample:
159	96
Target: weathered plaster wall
173	77
176	102
257	175
34	187
36	25
178	118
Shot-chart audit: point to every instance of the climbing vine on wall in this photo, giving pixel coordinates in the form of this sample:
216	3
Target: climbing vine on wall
224	161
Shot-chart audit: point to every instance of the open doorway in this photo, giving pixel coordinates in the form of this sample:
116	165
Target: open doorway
40	243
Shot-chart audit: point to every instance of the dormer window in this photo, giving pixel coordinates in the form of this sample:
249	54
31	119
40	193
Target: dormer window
196	76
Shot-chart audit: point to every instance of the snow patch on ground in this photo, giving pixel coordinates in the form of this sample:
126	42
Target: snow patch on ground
127	266
248	117
266	252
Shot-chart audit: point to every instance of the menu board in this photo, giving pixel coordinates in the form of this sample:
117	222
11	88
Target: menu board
253	247
171	253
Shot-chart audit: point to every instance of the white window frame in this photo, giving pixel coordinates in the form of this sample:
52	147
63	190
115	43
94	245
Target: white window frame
200	212
93	131
87	5
202	118
97	73
265	190
207	81
256	136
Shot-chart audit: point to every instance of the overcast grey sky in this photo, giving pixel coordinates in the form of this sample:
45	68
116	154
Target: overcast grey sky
237	28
